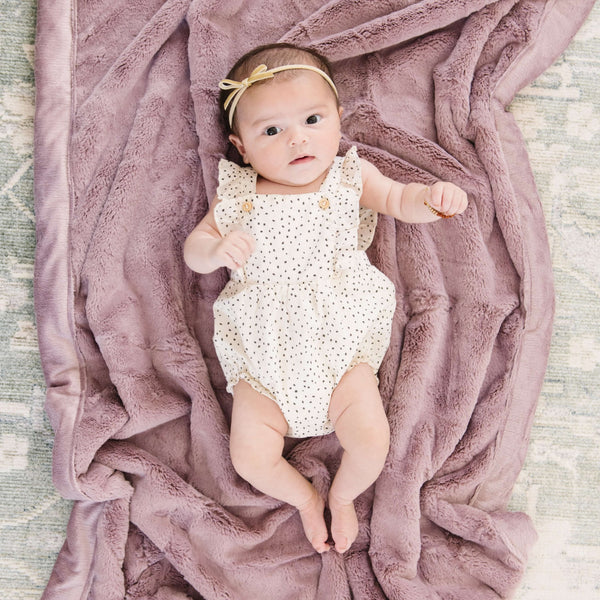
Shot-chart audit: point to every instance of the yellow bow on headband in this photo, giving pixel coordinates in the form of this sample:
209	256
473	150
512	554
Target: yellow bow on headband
259	74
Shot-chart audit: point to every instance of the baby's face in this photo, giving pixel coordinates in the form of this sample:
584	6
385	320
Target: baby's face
289	128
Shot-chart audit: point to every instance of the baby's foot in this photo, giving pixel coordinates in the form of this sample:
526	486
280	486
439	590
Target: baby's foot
313	521
344	524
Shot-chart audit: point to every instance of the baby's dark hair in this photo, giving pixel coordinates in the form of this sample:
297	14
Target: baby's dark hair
272	55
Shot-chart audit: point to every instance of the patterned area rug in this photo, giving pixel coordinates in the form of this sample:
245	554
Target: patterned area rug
559	115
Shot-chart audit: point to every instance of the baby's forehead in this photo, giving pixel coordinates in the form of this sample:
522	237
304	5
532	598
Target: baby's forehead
303	81
281	95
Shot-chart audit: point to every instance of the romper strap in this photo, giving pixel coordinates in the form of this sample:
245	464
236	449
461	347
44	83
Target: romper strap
350	171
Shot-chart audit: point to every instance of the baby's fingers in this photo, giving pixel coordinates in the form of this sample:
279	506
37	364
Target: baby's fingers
461	202
242	240
448	199
236	248
455	202
233	258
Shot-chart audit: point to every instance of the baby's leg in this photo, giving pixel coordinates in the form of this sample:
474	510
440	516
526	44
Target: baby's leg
258	428
362	428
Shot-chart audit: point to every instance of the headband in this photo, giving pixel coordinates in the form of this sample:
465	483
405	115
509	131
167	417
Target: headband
259	74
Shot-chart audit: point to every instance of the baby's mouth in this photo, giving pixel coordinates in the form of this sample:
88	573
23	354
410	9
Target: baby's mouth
301	160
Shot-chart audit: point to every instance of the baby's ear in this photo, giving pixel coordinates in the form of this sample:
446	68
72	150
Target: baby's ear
340	111
237	142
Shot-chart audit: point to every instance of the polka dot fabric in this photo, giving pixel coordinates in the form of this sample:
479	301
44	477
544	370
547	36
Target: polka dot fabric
308	305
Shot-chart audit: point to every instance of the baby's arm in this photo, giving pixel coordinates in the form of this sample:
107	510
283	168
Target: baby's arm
409	202
205	249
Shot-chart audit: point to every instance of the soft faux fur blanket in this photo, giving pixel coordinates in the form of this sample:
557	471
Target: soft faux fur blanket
127	144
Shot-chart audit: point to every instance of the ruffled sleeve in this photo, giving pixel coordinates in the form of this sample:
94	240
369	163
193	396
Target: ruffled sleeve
366	229
350	171
235	185
351	177
235	181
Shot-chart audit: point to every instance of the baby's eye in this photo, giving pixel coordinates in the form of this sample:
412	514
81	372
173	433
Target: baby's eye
313	119
273	130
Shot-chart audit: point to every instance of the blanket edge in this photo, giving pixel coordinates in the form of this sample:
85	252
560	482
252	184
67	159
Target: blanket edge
53	281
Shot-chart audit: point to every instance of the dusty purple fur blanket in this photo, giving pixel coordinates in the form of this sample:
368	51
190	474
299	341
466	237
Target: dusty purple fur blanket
127	143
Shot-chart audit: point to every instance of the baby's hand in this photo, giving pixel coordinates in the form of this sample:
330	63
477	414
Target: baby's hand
235	249
446	198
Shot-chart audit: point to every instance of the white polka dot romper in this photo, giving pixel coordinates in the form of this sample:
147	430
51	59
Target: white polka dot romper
308	305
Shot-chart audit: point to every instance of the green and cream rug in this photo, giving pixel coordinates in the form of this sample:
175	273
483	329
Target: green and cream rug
560	485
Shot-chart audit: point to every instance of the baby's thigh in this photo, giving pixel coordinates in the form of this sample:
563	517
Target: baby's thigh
258	426
356	405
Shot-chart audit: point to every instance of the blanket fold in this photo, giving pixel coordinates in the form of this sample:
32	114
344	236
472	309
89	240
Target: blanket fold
128	137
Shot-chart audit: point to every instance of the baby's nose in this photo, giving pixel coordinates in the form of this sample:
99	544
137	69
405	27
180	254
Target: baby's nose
298	136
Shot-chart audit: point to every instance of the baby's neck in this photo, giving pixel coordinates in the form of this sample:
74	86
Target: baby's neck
266	186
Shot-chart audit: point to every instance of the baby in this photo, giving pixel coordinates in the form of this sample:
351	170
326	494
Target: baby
304	321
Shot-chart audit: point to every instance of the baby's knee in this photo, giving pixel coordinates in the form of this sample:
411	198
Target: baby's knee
373	440
251	457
